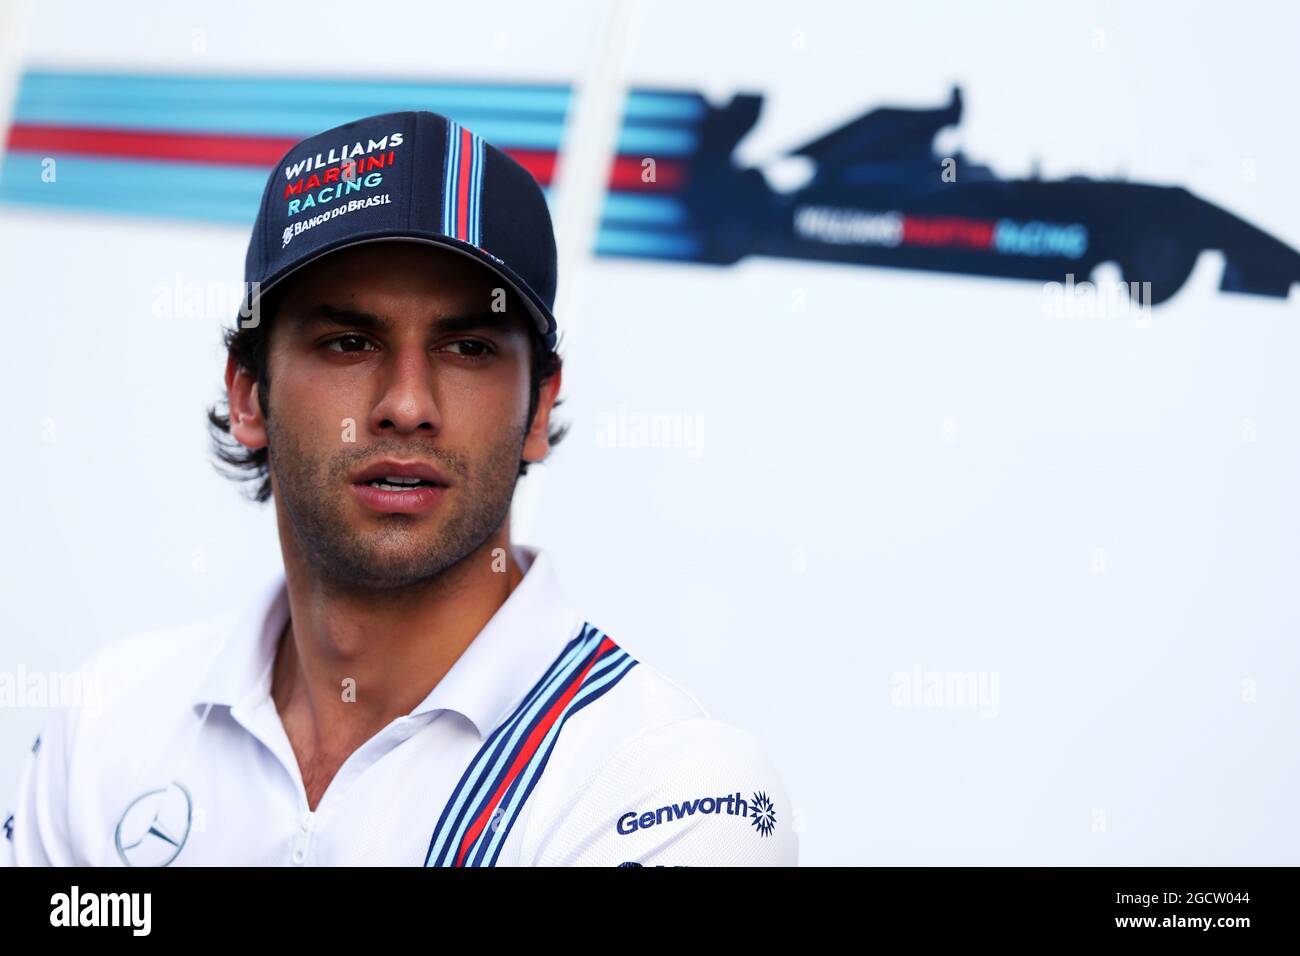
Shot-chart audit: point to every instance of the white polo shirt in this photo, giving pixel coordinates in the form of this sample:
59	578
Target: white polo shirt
546	744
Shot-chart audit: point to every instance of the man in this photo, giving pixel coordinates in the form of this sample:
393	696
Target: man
413	689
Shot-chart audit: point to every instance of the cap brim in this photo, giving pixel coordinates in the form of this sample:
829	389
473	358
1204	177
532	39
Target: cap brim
543	319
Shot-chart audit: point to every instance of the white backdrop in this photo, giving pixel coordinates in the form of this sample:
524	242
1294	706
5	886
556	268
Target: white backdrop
896	473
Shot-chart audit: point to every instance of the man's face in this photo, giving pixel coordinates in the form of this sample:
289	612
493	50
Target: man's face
407	353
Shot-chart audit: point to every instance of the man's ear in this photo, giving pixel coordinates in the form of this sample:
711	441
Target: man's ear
538	443
246	423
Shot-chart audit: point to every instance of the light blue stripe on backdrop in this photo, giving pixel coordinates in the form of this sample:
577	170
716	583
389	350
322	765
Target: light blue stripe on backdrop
648	209
182	90
612	241
506	115
176	90
292	123
216	193
146	187
166	207
679	107
642	140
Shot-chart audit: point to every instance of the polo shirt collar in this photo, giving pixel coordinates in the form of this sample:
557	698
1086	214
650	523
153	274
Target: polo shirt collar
485	684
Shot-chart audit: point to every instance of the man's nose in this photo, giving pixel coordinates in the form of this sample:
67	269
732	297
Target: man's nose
407	402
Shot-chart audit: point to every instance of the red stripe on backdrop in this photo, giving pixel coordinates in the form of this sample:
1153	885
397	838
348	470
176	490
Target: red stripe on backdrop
260	151
539	162
628	175
220	148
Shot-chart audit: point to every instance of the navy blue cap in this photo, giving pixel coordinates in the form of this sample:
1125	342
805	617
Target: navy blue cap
413	175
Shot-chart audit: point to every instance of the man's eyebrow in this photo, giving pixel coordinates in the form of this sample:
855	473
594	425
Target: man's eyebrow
322	313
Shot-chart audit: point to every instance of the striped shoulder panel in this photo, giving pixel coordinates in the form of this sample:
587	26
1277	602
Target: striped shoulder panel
491	795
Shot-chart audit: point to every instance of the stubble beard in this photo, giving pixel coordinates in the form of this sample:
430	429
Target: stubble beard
390	551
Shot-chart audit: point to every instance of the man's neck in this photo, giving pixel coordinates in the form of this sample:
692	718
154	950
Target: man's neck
350	662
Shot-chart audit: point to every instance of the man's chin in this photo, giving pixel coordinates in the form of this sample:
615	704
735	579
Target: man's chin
385	552
385	572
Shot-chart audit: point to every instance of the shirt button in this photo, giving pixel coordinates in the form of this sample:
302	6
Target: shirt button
402	730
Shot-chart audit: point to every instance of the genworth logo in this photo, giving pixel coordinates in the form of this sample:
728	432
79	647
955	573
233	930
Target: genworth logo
764	814
759	809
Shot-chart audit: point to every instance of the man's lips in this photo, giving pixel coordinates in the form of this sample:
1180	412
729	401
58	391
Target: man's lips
392	468
399	487
415	500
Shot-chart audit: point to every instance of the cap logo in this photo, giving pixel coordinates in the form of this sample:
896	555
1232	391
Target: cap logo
327	178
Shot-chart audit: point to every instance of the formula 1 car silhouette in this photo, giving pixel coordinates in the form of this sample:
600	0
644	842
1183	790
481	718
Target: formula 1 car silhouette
880	195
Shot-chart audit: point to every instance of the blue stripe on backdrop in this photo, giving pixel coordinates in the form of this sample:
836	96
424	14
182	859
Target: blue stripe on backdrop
511	115
147	187
292	122
299	123
41	88
631	208
644	105
190	208
613	241
162	91
508	114
656	141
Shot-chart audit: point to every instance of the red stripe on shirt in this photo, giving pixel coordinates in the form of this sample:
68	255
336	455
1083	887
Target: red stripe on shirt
529	748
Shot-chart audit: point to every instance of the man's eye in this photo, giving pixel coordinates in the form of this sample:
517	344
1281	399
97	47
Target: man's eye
471	348
353	339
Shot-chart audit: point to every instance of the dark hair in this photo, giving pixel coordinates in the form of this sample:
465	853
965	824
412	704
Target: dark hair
248	346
